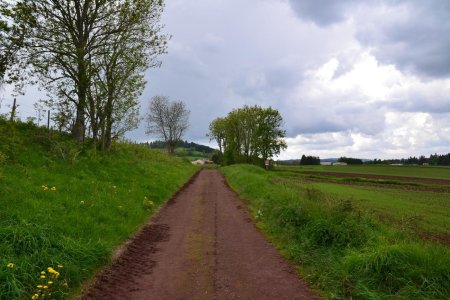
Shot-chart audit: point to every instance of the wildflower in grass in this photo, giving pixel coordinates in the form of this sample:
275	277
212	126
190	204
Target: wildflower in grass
53	189
10	265
44	187
148	204
48	283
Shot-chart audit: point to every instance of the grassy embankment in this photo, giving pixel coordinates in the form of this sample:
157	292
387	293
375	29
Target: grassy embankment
68	206
351	241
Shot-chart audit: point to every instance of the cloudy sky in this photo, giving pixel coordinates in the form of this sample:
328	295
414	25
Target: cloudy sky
368	79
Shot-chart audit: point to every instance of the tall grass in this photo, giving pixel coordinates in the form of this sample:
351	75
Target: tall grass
340	250
98	201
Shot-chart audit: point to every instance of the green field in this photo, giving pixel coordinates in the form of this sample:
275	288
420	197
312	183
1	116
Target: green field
61	204
406	171
390	201
360	241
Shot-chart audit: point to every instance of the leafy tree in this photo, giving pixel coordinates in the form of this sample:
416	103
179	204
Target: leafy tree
217	132
68	43
248	135
12	36
119	79
167	120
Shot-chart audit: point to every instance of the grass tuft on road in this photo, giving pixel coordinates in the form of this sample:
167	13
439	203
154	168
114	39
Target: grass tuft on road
66	205
340	248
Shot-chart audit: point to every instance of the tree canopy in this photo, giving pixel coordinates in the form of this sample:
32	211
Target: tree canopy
248	135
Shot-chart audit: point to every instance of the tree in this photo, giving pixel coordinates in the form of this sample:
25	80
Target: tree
69	41
119	79
248	135
12	36
168	120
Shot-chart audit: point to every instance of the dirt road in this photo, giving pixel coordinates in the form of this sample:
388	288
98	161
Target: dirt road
201	245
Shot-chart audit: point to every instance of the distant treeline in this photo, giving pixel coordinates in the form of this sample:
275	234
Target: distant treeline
182	144
350	161
309	160
433	160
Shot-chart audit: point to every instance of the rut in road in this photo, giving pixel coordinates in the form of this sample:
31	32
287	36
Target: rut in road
201	245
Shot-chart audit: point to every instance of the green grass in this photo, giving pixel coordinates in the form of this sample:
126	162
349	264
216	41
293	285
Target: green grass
406	171
341	248
429	210
99	202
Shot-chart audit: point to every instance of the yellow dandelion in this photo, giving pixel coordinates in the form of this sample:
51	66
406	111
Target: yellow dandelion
35	296
60	266
45	286
51	270
39	286
10	265
57	274
50	282
42	276
53	189
42	273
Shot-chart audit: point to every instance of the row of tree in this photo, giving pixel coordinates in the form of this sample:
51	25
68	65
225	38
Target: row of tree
248	135
309	160
350	160
89	55
433	160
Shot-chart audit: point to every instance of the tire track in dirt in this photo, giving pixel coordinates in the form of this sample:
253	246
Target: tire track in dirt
201	245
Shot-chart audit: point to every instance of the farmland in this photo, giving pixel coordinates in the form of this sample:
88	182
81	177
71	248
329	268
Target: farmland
404	171
379	236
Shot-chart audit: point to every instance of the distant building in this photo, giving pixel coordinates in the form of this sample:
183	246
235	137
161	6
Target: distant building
326	163
425	164
201	162
339	164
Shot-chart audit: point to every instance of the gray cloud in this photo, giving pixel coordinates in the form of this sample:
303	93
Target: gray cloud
411	34
323	12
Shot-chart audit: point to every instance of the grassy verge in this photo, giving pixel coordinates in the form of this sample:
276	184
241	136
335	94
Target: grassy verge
341	250
64	205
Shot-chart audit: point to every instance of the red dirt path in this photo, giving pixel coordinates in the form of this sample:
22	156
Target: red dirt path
201	245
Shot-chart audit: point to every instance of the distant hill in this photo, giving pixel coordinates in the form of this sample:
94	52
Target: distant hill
189	150
183	144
